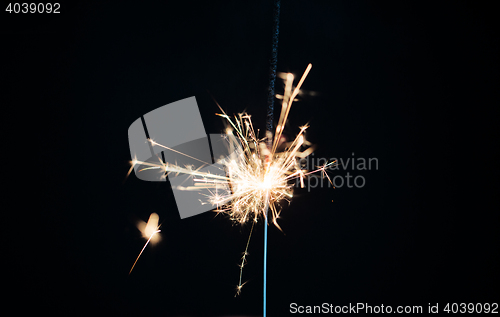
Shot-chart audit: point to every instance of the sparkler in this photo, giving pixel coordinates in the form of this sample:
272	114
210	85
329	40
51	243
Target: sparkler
256	176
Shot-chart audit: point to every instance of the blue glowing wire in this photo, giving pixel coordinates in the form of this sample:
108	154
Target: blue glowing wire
265	262
270	112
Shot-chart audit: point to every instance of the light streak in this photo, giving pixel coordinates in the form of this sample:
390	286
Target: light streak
243	262
148	230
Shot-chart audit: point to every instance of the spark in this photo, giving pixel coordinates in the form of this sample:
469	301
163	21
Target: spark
243	262
149	230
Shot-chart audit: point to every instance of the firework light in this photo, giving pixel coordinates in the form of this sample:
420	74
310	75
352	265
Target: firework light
258	174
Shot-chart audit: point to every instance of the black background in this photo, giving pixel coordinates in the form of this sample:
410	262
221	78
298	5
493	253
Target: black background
413	84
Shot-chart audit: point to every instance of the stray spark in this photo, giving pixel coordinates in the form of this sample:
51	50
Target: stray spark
243	262
149	230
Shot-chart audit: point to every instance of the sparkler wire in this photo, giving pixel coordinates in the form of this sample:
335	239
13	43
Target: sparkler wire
266	224
273	66
270	117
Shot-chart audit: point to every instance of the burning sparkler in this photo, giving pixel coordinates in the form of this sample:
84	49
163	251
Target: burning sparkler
255	176
253	171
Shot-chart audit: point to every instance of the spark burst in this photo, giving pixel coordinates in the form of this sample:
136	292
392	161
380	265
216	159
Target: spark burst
259	172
